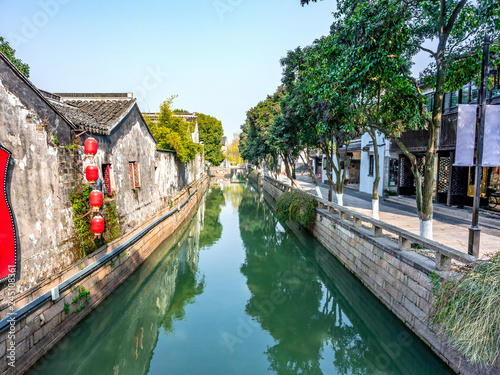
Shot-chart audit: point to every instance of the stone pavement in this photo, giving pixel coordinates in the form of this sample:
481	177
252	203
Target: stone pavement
448	230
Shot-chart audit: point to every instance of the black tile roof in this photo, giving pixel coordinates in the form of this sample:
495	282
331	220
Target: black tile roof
102	111
98	114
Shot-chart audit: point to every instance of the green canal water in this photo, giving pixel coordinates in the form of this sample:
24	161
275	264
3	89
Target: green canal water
238	293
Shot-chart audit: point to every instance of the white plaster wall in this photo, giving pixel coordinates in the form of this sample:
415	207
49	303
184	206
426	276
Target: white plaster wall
365	181
44	223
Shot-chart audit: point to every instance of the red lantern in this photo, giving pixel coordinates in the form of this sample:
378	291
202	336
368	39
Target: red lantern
90	146
97	225
95	199
92	173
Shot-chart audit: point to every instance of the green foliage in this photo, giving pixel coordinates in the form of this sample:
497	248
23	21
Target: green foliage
467	309
255	141
110	216
211	133
296	206
55	140
8	51
82	294
79	198
233	152
66	308
174	133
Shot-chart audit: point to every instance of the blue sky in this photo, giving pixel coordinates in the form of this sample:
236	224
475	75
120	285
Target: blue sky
220	57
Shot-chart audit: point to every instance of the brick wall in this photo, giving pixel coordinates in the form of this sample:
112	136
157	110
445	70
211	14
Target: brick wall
37	333
399	279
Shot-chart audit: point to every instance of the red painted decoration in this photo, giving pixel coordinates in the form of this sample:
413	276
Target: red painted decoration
90	146
7	227
92	173
95	198
97	225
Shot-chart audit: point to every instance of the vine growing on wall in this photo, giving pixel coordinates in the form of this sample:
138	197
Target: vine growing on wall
86	245
296	206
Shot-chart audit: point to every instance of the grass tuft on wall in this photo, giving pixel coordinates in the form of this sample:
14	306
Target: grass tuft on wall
296	206
468	310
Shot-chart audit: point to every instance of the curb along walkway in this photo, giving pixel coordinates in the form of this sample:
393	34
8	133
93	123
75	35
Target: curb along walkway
450	226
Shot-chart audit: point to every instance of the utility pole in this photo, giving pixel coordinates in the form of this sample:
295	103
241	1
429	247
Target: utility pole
474	230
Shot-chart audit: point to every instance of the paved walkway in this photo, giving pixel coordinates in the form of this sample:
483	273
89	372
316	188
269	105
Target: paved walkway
449	230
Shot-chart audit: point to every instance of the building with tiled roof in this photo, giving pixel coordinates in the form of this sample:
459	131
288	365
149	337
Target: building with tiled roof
97	113
42	134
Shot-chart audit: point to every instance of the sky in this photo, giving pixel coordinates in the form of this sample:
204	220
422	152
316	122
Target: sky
221	57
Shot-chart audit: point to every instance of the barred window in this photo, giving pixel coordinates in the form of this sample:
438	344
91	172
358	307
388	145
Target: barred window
135	175
108	179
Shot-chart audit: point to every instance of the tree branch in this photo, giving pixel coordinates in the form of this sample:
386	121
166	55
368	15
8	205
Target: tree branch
453	17
432	53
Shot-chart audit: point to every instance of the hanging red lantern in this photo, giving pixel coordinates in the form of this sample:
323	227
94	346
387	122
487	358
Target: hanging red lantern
92	173
97	225
90	146
95	199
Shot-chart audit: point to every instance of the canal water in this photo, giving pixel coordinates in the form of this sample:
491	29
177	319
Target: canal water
238	293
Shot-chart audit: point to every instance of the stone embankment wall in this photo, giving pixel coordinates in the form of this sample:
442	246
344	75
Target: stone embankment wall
41	327
400	279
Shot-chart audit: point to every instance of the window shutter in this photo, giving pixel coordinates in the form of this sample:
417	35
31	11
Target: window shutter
137	176
107	180
132	179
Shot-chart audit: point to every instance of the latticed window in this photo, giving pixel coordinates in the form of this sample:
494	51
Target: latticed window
108	179
135	175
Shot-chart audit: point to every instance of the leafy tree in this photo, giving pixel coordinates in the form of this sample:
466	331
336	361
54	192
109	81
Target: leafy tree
211	133
266	135
174	133
8	51
298	116
315	82
256	143
458	27
233	152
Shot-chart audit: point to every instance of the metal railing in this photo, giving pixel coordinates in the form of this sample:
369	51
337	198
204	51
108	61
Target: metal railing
24	311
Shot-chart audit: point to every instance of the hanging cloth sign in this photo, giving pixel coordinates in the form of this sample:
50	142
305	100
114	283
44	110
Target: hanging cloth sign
491	149
466	135
7	227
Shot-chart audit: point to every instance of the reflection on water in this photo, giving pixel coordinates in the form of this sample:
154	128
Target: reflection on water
259	298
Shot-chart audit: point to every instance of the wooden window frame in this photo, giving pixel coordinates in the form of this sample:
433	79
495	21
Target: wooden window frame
135	174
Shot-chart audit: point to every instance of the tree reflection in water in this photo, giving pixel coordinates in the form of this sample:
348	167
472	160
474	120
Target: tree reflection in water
306	313
212	228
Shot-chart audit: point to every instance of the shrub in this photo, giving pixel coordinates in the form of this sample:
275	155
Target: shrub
468	310
296	206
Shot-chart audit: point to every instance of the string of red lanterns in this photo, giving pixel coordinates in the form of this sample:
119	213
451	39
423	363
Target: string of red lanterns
95	198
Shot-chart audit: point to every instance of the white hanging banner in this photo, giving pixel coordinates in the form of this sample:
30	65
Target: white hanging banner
491	150
466	135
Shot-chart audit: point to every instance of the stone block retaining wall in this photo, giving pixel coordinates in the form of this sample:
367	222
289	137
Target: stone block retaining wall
39	331
400	279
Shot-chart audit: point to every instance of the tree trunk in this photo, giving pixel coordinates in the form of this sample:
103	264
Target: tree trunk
288	170
311	173
376	181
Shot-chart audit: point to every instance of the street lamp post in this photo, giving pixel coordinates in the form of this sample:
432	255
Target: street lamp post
474	230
